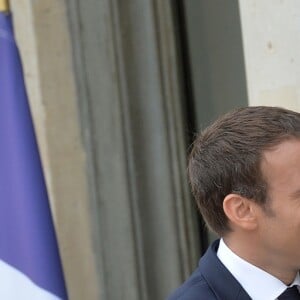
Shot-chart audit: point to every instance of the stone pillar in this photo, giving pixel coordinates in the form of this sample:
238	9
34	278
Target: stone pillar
271	39
113	148
130	101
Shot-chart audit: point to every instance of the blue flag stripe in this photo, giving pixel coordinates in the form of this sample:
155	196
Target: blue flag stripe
27	237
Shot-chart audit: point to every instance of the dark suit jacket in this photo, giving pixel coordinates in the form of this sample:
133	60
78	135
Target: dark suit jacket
211	280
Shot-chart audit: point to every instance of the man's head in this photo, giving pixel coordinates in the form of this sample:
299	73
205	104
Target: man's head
227	159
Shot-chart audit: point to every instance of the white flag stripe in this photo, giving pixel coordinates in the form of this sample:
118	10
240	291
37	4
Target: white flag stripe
15	286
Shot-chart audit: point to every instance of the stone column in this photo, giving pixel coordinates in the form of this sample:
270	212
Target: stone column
112	142
130	100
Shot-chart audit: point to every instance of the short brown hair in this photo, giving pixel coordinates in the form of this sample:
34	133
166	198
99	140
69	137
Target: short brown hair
226	158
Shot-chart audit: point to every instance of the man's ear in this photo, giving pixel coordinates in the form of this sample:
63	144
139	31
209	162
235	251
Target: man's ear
240	211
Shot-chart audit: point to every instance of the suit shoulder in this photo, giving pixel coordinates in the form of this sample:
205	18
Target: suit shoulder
194	288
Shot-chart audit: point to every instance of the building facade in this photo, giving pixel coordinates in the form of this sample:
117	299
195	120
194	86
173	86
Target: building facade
118	90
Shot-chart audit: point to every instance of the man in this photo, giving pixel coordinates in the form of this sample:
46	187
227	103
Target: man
244	171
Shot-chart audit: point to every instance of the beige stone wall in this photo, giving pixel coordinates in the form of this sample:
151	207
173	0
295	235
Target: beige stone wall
271	39
42	32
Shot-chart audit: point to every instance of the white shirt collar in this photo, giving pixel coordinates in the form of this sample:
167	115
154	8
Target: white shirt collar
259	284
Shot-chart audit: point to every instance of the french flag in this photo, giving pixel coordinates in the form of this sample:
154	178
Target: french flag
30	266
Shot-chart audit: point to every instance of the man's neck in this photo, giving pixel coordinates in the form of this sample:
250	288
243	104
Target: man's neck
257	257
250	276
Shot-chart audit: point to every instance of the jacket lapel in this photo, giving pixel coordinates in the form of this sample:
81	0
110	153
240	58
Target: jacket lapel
220	280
